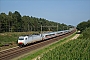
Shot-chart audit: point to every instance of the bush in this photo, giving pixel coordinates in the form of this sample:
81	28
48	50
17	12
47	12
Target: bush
86	33
1	45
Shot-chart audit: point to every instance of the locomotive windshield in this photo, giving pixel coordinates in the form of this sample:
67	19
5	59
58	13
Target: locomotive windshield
21	39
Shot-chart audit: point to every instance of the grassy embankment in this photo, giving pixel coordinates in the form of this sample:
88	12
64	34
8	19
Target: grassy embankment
46	49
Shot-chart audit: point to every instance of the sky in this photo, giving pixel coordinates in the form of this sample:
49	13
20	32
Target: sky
70	12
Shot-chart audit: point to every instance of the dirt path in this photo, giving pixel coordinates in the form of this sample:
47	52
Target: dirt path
75	37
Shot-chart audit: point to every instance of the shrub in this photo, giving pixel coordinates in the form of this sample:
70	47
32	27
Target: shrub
86	33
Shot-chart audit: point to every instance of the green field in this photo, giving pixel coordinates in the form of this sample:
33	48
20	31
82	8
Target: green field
78	49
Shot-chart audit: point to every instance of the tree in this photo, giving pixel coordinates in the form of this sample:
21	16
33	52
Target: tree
17	21
3	22
10	21
83	25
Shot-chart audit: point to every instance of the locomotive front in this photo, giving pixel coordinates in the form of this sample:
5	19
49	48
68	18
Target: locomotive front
21	41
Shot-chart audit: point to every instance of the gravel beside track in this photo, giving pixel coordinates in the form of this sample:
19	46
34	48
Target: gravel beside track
15	52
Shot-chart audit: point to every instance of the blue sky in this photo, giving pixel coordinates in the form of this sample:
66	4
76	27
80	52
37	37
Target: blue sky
70	12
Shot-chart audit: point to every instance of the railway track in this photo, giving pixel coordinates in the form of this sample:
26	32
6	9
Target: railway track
15	52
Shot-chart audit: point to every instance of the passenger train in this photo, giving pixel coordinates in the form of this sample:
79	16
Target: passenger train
27	39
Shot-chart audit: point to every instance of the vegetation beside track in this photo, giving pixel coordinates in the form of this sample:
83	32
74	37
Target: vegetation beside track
47	48
78	49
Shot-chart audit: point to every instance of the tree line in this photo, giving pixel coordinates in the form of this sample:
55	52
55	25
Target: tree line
83	25
14	22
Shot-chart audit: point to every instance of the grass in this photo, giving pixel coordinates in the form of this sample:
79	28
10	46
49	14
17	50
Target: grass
78	49
41	51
